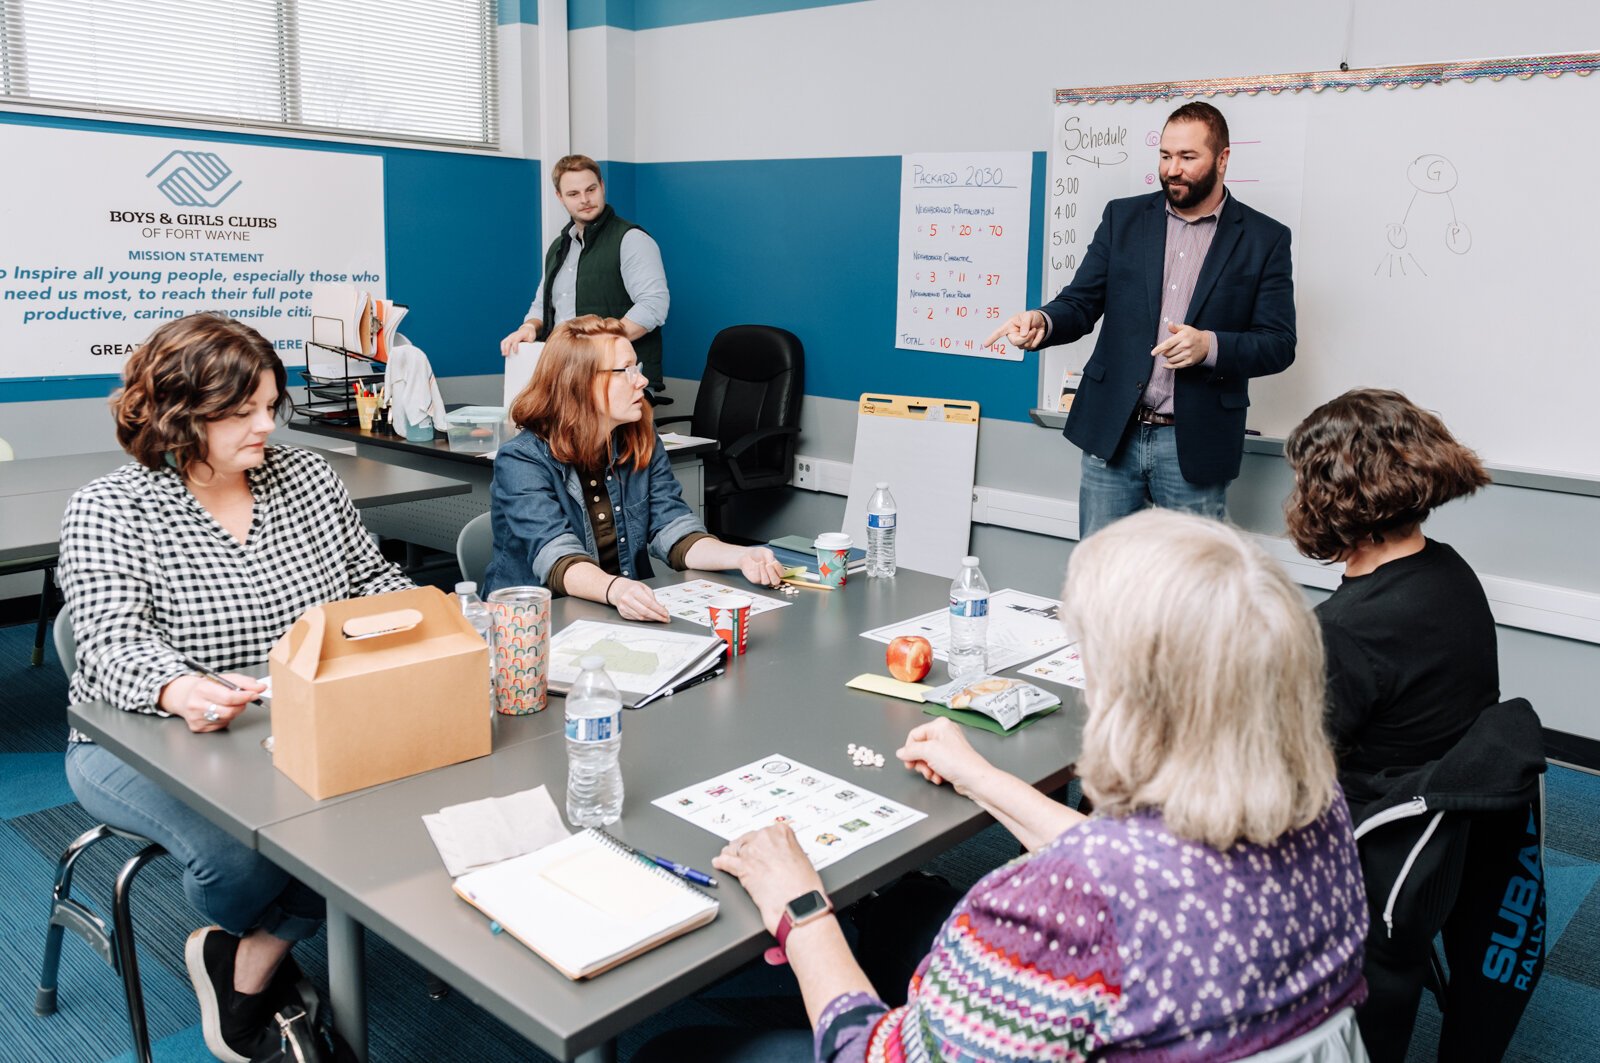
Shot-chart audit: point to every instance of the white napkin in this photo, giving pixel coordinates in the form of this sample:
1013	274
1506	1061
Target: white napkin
478	833
413	392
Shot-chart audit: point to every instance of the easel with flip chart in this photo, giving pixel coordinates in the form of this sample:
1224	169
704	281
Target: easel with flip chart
927	450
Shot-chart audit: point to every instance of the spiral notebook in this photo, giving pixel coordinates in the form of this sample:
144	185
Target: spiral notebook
585	903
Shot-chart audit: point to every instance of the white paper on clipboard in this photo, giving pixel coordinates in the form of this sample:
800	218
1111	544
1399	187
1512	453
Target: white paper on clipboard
927	450
519	370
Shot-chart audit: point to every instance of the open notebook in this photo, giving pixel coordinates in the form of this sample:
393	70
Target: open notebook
585	904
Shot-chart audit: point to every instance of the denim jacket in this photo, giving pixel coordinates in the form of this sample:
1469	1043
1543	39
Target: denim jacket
538	515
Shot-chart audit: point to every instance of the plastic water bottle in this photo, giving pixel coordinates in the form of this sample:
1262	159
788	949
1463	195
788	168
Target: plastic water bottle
594	746
969	621
881	520
477	615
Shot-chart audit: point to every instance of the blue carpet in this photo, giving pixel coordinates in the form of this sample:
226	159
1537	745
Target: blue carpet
38	818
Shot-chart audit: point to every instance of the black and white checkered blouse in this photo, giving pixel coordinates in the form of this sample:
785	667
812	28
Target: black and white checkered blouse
150	577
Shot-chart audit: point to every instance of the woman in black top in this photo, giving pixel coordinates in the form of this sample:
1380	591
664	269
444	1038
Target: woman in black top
1411	663
1409	635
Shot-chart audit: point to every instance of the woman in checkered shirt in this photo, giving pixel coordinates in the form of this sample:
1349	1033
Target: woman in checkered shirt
205	548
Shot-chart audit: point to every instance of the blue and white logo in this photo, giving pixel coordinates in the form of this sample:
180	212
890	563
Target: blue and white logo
194	178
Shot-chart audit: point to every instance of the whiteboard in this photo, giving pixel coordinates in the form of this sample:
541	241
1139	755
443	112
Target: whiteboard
1444	238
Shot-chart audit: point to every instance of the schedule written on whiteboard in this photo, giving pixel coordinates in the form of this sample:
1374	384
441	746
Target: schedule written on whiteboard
963	250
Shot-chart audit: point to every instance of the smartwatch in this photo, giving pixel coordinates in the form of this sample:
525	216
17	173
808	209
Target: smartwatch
804	909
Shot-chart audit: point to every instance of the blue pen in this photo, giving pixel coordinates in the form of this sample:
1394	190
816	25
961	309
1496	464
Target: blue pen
681	870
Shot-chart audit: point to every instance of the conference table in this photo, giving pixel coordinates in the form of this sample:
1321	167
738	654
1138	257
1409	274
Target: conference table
436	523
786	696
34	493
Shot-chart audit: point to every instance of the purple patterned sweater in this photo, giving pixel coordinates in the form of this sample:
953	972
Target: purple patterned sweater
1118	940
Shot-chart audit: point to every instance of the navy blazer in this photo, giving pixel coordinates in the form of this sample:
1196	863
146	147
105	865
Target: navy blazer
1245	294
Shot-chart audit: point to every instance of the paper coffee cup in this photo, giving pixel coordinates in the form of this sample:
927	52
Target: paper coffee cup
730	619
833	554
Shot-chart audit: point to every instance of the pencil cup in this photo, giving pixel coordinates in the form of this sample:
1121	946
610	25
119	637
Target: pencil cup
833	554
730	619
366	409
521	618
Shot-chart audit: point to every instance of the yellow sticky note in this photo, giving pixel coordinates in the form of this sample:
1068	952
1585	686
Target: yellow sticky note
873	683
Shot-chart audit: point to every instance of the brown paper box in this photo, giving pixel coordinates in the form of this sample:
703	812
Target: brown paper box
354	712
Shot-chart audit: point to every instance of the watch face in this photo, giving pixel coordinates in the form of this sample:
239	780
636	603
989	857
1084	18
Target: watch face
806	905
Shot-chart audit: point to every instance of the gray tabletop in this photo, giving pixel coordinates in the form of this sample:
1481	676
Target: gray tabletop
34	493
786	696
228	776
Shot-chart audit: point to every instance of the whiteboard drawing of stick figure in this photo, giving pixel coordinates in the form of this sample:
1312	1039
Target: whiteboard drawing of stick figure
1430	175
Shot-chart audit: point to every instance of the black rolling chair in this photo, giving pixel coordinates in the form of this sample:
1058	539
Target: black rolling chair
114	945
749	401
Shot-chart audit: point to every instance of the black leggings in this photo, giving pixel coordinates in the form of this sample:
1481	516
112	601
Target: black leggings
1482	887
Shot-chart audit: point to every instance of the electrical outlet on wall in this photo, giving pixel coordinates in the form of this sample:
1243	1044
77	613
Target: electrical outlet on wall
805	474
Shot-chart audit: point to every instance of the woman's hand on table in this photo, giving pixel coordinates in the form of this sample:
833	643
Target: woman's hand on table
940	753
772	867
760	566
634	601
207	705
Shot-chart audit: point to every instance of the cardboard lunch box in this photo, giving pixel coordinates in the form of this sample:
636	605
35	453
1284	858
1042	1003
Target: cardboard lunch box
373	689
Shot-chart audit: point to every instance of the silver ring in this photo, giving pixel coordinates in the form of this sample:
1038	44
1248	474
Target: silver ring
212	713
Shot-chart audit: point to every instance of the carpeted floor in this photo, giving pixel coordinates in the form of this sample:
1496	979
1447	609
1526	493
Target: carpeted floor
38	817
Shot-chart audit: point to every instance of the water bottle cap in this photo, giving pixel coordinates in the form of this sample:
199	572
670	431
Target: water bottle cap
969	562
467	586
592	663
883	485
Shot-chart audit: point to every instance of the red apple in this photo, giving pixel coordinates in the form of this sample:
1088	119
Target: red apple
910	657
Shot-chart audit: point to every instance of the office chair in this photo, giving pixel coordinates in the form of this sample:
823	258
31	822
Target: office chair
115	944
47	588
475	548
749	402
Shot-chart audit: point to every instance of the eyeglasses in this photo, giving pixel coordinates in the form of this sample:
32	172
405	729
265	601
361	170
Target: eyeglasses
633	372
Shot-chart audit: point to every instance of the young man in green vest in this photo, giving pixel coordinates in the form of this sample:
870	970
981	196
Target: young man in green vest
601	264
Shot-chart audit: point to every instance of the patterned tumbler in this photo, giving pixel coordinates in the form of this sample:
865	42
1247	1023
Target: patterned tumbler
521	618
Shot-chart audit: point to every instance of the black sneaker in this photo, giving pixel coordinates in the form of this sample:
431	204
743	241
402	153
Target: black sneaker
234	1024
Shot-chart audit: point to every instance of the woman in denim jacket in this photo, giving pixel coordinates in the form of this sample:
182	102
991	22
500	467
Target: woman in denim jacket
584	496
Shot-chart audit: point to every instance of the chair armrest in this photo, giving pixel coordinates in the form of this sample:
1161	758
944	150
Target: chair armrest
672	420
731	452
750	439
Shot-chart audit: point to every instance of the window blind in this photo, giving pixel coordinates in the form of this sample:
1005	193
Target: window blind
416	70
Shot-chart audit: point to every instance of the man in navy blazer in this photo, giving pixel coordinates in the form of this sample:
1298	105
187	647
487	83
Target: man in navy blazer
1196	296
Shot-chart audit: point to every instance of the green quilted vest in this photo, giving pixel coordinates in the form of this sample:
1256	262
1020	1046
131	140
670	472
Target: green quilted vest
600	288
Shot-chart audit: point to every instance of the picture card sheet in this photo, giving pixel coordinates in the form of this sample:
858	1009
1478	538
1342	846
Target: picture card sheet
1021	627
831	817
689	600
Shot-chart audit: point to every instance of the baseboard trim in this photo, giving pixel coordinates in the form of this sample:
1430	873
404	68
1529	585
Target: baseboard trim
1570	749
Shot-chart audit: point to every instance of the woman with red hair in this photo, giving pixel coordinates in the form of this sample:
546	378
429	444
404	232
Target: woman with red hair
584	496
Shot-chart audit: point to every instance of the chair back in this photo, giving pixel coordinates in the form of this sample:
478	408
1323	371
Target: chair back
754	379
66	644
6	453
475	548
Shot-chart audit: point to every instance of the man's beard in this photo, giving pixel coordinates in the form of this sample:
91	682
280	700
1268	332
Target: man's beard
1189	195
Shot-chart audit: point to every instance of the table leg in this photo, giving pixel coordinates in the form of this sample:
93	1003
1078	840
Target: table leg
347	979
601	1053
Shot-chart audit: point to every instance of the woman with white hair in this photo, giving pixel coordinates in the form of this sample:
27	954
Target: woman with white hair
1211	908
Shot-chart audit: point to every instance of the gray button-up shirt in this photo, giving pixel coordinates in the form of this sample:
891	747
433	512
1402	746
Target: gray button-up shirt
1187	244
643	276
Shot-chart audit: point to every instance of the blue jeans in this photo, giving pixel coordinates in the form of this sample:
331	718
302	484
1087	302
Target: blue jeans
231	884
1143	473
